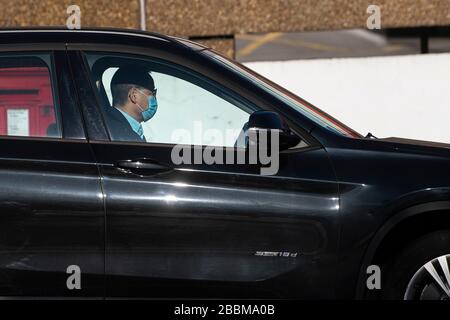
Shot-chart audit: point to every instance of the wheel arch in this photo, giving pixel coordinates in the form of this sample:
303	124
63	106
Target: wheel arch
403	226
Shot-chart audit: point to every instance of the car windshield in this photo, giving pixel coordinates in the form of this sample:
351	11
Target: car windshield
318	116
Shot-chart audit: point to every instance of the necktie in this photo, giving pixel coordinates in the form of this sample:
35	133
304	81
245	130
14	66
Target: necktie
140	132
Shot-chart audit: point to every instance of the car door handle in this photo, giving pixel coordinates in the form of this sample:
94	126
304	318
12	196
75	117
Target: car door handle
143	166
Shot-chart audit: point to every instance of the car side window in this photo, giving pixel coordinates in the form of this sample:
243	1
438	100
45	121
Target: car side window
186	109
27	96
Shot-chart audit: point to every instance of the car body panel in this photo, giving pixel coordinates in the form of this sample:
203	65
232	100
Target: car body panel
205	232
51	204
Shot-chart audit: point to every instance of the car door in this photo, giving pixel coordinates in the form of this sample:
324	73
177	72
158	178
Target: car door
198	229
51	203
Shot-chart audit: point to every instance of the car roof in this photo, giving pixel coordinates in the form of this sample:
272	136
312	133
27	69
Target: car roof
97	34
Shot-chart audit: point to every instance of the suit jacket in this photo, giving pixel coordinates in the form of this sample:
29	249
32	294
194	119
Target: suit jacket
119	127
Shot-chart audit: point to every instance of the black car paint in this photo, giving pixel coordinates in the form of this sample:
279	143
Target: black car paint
195	231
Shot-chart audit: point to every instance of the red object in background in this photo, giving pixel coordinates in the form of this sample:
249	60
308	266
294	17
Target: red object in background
27	88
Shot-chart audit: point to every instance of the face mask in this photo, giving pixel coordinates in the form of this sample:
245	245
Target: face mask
148	113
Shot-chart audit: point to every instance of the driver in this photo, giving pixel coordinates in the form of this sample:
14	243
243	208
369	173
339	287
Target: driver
134	101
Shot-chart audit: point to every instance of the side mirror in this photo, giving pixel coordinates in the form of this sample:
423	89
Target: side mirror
268	120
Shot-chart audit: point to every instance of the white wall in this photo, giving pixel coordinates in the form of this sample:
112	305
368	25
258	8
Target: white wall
402	96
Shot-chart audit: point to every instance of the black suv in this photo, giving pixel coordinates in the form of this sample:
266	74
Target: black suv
85	212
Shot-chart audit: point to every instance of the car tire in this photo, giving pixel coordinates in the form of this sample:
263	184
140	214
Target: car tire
409	275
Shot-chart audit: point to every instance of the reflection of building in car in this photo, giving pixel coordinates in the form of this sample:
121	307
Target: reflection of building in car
26	103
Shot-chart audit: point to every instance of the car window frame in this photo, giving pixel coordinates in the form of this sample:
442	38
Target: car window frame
67	111
182	73
76	52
